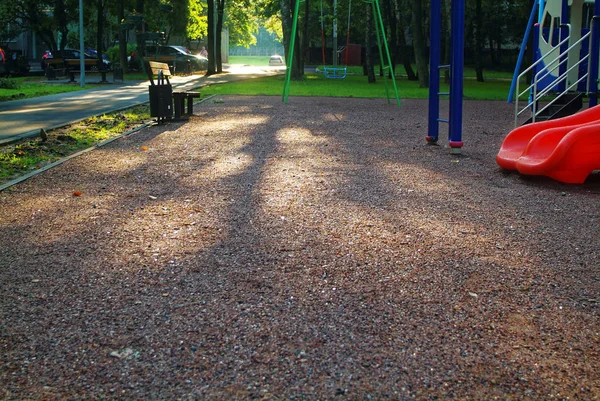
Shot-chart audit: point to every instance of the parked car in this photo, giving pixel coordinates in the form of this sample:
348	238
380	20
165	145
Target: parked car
70	60
176	57
276	60
94	53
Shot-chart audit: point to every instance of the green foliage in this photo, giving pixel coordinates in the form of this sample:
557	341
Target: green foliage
113	52
7	83
242	22
197	26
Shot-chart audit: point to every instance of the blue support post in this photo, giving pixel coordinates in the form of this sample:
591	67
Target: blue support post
513	84
456	74
434	72
564	32
594	55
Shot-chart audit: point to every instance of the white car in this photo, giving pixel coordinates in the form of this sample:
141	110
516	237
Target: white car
276	61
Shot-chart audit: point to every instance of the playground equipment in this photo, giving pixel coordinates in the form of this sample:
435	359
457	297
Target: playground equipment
386	62
455	94
335	71
565	67
555	142
566	149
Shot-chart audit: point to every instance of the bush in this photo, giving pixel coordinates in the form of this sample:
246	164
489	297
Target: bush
113	53
7	83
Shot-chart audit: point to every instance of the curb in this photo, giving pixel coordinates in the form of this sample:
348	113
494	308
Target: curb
81	152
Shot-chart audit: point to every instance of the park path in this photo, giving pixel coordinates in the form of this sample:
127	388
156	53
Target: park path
24	118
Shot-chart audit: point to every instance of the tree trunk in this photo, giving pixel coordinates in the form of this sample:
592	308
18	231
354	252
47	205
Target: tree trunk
402	51
446	13
369	28
305	36
287	15
388	14
100	33
122	39
211	70
220	14
478	41
421	53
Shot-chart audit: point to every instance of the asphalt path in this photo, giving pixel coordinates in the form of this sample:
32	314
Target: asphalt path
24	118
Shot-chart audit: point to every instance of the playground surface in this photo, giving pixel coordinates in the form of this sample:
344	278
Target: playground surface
314	250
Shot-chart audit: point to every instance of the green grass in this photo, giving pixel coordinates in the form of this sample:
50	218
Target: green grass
29	87
16	160
353	86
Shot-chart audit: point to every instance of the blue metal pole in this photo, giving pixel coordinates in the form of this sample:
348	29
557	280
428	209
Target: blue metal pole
564	32
594	55
513	84
434	72
456	74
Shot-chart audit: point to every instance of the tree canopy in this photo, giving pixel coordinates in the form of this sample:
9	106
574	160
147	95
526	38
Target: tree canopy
492	28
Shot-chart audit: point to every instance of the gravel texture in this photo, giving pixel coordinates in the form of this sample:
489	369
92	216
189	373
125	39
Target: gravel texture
318	250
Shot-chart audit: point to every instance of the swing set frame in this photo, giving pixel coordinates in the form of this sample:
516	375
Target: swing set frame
381	43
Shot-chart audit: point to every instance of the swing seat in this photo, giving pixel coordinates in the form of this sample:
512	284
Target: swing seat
334	72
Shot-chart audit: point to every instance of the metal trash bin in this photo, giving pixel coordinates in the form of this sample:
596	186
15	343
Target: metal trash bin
50	73
118	73
161	101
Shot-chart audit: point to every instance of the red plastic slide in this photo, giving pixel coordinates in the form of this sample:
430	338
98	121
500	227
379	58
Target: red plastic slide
566	149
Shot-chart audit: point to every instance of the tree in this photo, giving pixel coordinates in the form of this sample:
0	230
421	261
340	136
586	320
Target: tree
479	37
197	24
287	11
211	23
420	43
369	32
401	49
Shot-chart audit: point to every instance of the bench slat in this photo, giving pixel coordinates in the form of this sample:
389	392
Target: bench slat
156	67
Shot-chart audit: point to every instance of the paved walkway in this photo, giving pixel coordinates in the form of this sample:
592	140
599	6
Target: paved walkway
23	118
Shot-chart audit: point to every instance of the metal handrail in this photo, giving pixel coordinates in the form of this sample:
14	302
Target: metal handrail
595	18
544	73
533	65
546	90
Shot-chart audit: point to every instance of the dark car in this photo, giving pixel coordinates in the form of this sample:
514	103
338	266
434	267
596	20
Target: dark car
70	60
177	57
94	53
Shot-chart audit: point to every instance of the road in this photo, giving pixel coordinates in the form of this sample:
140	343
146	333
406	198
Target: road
24	118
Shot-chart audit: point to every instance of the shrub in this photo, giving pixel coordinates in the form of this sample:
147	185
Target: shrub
7	83
113	53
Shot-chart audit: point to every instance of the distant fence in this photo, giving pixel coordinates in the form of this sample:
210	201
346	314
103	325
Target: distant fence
262	51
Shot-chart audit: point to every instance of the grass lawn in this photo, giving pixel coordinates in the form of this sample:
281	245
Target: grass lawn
354	86
28	87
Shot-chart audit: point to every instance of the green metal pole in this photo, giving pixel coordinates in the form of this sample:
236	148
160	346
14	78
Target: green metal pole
378	34
387	50
290	58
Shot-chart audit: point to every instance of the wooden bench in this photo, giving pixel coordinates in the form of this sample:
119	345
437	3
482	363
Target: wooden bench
72	74
162	71
179	99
